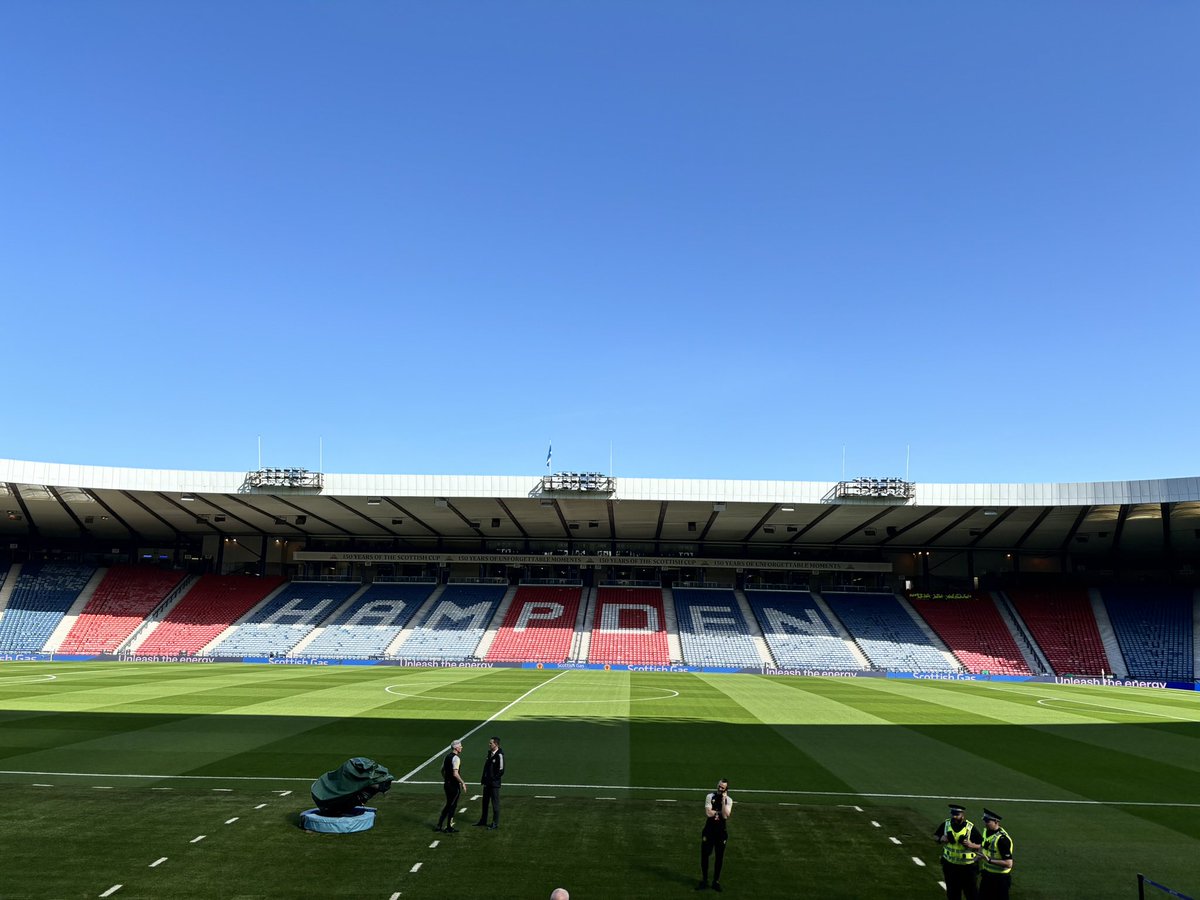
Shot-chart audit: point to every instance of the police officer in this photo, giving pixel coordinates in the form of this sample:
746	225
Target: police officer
995	877
960	841
718	807
493	773
453	785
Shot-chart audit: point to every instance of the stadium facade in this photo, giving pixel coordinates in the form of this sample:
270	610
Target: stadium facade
864	575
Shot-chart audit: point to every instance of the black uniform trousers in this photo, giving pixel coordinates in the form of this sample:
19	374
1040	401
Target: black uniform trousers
712	840
491	797
993	886
961	881
453	794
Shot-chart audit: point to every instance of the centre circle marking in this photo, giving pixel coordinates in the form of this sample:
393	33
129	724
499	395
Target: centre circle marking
11	679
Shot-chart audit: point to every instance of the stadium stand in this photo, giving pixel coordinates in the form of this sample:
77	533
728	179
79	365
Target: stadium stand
455	625
366	627
798	633
1062	623
40	598
887	634
121	602
211	606
975	633
1154	630
286	619
712	629
539	625
629	628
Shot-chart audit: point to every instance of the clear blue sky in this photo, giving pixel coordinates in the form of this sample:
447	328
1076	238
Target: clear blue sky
730	239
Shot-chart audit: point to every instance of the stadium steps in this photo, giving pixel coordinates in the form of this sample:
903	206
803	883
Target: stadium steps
840	627
208	648
298	650
63	628
138	636
756	632
7	586
583	635
419	616
1108	634
493	627
934	637
1030	651
674	645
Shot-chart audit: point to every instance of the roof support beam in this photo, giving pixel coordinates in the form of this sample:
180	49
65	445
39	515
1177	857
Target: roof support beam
1034	527
775	507
899	531
14	492
1000	518
1083	514
862	526
811	525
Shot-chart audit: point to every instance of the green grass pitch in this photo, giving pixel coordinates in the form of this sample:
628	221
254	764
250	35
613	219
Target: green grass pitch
112	772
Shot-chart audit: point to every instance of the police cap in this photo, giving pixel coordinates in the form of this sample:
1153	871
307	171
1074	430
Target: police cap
956	808
988	814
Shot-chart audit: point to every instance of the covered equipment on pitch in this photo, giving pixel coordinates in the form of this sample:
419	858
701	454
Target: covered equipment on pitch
340	792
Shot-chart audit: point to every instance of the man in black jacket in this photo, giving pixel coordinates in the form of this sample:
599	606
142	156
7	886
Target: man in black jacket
493	773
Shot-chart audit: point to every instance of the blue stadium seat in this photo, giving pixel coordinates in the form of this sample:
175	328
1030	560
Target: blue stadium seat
286	619
799	635
368	625
712	629
887	634
40	598
1154	630
456	624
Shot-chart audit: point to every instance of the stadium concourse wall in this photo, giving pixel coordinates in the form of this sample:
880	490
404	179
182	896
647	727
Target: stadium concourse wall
606	667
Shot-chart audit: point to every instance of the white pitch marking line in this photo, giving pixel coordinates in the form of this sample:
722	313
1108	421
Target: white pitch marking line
606	798
416	867
876	824
175	777
463	810
486	721
42	785
112	890
476	796
894	840
224	790
1136	712
395	896
101	787
162	789
660	800
158	862
789	804
849	806
920	862
433	846
261	806
231	821
197	839
942	885
281	793
544	797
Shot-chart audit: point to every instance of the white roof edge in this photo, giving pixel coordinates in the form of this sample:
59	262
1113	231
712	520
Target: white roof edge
1163	490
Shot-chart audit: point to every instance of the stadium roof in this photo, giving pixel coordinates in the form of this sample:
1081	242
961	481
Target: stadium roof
55	501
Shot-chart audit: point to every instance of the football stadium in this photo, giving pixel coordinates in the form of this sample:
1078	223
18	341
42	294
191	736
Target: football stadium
184	653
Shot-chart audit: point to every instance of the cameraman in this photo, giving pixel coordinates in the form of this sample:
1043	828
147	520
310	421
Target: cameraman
961	842
718	807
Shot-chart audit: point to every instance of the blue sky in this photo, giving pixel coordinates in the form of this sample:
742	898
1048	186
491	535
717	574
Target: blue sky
726	240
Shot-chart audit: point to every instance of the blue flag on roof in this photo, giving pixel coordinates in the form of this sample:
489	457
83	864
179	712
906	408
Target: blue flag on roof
549	453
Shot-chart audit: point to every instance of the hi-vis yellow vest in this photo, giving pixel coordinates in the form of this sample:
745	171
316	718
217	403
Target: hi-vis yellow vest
990	842
954	852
